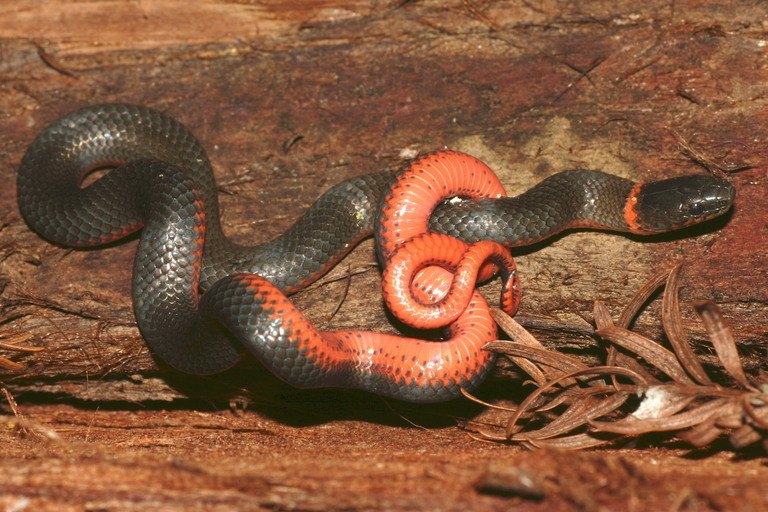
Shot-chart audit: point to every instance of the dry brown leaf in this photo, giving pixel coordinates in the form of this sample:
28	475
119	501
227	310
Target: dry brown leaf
691	404
672	322
722	340
648	349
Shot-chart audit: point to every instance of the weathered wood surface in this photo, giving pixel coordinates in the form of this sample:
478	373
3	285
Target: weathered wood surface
292	97
213	461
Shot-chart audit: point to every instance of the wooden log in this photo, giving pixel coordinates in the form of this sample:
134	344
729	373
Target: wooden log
290	100
291	97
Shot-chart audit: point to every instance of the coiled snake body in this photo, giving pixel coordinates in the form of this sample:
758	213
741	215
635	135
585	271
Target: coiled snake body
199	299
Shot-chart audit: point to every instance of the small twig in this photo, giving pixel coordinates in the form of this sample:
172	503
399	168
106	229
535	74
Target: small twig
344	294
11	401
52	62
701	158
12	344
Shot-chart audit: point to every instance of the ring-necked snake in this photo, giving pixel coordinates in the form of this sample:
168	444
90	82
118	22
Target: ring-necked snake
199	299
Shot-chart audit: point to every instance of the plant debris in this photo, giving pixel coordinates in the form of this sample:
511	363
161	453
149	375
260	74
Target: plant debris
576	406
13	344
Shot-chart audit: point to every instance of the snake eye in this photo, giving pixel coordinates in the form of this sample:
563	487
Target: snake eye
696	210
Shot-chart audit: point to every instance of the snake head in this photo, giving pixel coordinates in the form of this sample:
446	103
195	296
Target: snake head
678	203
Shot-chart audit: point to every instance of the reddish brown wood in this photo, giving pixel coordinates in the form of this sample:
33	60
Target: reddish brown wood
292	97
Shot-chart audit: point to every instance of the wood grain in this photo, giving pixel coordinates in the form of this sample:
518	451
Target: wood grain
292	97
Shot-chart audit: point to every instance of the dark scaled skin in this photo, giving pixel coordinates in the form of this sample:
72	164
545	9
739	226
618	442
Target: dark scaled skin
166	186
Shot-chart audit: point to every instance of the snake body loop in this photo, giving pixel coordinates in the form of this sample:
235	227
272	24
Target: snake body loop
405	246
193	289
